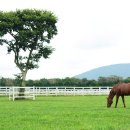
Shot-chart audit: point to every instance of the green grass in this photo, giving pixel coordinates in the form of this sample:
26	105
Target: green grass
63	113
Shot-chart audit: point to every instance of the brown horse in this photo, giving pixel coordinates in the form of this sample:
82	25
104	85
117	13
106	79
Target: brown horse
122	89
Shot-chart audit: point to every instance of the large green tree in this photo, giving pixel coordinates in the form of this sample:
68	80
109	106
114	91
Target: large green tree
27	34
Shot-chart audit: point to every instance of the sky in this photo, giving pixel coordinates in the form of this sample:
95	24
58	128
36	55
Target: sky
91	34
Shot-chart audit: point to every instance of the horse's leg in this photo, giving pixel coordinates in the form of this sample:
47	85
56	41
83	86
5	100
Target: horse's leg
117	97
123	100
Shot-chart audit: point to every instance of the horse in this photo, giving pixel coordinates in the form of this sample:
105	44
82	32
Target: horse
121	89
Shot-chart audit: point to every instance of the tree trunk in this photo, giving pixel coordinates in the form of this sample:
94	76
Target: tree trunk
23	84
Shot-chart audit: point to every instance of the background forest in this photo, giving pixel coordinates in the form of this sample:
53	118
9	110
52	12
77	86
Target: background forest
102	81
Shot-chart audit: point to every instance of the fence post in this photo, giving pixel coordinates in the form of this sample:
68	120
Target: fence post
56	91
108	90
74	91
65	91
99	90
34	93
9	93
35	88
83	91
13	94
6	91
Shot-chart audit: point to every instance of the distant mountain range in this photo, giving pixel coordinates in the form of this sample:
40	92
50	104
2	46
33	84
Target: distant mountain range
122	70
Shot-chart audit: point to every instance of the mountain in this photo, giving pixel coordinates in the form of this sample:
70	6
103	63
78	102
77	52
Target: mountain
122	70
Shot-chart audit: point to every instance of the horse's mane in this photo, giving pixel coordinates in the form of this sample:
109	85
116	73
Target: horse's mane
112	92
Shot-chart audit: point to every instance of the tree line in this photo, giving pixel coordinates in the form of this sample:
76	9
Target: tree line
101	81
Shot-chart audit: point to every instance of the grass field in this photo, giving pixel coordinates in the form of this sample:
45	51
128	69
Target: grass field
63	113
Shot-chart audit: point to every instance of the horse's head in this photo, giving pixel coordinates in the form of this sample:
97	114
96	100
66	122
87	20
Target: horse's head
109	102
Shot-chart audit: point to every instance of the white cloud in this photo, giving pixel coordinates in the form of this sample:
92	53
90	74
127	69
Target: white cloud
90	34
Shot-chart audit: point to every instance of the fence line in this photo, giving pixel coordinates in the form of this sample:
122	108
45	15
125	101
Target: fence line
104	90
21	92
4	90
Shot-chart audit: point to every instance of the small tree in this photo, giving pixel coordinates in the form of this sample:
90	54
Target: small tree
27	34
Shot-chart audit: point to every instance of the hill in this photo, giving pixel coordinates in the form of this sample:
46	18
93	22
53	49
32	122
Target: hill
122	70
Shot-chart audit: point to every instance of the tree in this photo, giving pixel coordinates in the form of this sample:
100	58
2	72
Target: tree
27	34
127	80
111	80
2	82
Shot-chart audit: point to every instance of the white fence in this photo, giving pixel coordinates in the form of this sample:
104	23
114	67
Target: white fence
72	91
4	90
58	90
25	92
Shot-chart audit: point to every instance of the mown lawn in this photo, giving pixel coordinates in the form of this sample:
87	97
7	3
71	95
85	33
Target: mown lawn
63	113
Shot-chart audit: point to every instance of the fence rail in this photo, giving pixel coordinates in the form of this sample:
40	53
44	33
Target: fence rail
21	92
104	90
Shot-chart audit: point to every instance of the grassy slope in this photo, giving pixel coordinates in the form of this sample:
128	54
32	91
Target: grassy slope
63	113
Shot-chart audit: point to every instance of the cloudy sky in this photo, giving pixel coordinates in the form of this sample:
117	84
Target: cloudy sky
91	34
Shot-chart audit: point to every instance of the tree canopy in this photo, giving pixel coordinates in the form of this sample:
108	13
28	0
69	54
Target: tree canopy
27	34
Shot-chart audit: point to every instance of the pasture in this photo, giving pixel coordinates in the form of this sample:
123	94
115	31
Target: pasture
64	113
